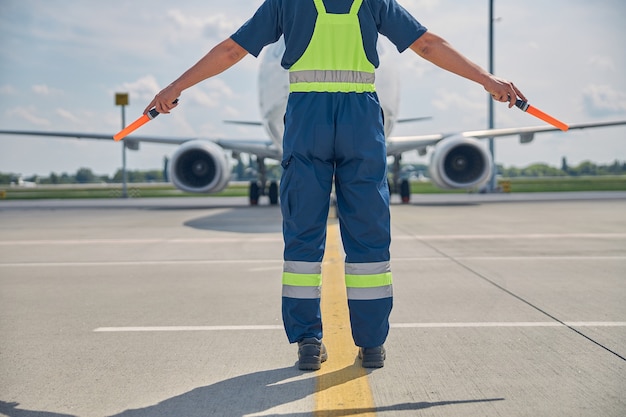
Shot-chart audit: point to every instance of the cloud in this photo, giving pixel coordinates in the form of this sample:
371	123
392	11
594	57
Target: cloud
8	90
44	90
143	89
214	26
67	115
605	63
28	114
447	100
210	94
602	100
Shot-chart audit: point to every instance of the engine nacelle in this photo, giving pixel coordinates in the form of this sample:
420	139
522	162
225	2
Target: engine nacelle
459	162
199	167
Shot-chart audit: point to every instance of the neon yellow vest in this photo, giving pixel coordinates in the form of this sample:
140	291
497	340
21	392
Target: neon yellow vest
335	60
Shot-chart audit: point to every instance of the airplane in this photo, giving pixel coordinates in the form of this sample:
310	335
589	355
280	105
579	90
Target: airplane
459	160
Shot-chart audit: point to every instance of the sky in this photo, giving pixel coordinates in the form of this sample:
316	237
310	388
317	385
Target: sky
62	61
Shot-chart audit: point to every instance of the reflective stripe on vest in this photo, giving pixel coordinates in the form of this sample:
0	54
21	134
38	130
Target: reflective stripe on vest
302	279
369	281
335	59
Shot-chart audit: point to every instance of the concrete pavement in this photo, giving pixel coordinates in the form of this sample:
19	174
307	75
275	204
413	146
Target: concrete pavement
502	308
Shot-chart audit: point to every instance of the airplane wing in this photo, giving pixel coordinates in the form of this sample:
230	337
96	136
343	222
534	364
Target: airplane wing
263	148
102	136
399	144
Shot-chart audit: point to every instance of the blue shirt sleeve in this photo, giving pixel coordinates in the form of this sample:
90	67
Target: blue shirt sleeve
263	28
396	23
293	19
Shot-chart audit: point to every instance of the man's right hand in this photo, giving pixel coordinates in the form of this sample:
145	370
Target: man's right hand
164	101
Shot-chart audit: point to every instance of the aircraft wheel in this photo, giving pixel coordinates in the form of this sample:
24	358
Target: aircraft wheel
254	193
405	191
273	193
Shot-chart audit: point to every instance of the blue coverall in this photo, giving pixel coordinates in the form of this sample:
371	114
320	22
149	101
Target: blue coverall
334	132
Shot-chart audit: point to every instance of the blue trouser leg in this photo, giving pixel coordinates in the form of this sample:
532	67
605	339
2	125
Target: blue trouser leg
305	190
363	211
337	135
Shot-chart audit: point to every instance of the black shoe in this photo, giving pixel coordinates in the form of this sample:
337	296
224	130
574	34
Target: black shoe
373	357
311	354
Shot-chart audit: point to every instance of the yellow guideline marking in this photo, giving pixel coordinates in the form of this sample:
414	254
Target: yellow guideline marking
342	385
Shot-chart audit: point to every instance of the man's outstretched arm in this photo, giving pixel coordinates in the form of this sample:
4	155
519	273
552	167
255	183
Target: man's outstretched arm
223	56
436	50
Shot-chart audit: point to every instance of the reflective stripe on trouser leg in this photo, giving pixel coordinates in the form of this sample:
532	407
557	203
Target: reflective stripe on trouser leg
302	282
370	299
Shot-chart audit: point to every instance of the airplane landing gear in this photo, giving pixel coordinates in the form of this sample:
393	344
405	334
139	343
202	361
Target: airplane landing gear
405	191
254	193
273	193
397	185
257	189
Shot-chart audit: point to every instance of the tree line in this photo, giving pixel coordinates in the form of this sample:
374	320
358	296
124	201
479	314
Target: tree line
85	176
585	168
246	173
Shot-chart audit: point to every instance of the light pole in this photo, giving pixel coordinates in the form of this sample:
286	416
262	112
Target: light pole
121	99
492	180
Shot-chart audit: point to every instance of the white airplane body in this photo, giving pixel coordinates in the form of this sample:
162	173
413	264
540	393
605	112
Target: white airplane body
459	161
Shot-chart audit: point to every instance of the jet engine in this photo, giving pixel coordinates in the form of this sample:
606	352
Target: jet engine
199	167
460	162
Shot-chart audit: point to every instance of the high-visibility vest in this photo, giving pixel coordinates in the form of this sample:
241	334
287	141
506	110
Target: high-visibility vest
335	59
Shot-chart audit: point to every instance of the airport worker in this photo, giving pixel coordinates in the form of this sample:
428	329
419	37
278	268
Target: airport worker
334	132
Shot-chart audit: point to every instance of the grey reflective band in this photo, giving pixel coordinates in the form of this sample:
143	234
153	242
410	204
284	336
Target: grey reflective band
291	291
374	293
368	268
331	76
299	267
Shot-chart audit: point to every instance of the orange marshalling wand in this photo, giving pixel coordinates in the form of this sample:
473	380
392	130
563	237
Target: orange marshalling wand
524	106
137	124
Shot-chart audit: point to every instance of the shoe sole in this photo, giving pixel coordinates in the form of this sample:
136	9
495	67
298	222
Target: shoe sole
373	364
313	366
373	361
312	363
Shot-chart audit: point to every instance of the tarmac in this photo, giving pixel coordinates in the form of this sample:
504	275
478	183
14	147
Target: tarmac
505	305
